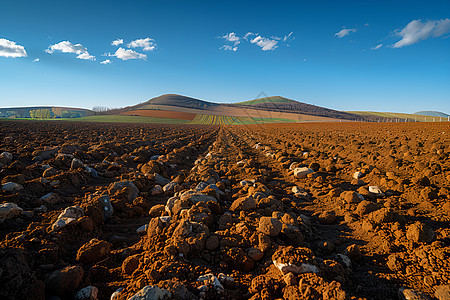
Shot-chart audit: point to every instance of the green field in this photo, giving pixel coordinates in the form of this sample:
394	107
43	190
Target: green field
199	119
399	116
112	119
128	119
273	120
229	120
275	99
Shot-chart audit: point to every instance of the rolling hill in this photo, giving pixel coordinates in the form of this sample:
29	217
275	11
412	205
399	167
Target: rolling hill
178	109
52	111
266	108
395	117
176	100
432	113
261	101
287	105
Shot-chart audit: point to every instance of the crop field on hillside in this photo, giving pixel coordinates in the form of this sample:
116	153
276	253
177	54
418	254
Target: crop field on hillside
227	120
220	120
273	99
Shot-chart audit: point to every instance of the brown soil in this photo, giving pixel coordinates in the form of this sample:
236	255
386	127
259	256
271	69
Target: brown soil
302	111
255	231
242	111
161	114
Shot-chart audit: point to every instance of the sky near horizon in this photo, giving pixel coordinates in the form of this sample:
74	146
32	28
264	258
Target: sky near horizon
345	55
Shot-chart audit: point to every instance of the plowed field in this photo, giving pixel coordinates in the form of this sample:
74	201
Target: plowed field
275	211
161	114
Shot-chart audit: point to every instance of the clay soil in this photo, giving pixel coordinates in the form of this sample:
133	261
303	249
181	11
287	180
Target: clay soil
241	111
235	219
161	114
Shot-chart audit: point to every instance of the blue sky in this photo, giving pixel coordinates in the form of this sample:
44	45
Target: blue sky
346	55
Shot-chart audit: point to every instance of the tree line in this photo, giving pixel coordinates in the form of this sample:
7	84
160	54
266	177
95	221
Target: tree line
49	114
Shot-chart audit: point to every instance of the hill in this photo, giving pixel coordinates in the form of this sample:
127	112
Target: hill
392	116
176	100
273	99
266	108
278	103
187	109
48	111
432	113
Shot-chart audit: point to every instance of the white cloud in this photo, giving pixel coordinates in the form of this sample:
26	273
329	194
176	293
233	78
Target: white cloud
117	42
265	43
105	62
86	56
254	38
232	37
345	32
36	60
377	47
287	37
229	48
417	31
68	47
125	54
11	49
146	44
248	34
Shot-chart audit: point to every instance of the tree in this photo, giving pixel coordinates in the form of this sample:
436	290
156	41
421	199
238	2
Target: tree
100	108
11	114
65	114
46	114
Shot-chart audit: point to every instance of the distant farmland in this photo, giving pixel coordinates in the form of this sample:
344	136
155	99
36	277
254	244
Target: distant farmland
128	119
227	120
399	117
161	114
